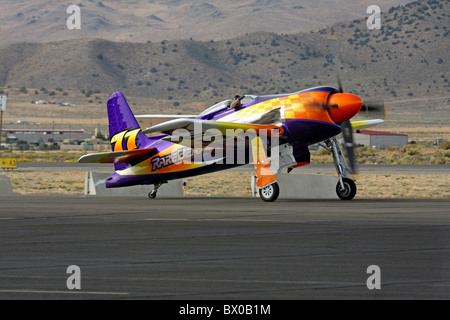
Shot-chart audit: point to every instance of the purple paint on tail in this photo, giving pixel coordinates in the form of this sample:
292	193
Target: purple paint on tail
120	115
121	118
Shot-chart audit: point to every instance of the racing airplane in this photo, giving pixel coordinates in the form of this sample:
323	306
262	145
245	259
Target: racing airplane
282	127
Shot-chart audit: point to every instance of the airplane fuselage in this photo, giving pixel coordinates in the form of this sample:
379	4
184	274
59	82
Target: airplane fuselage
303	123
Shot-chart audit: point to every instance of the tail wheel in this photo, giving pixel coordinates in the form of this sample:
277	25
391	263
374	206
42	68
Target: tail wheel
349	190
270	193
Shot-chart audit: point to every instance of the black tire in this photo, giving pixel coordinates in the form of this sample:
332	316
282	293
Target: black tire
349	191
152	195
270	193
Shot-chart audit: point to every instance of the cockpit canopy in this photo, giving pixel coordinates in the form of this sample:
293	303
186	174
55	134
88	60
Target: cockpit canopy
217	107
224	105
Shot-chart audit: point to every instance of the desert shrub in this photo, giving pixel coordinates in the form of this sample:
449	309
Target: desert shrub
392	148
409	150
323	152
445	145
438	160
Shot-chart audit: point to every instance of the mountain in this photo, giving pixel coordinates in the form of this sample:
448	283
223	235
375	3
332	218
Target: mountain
142	21
407	58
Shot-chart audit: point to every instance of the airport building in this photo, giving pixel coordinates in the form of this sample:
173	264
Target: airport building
379	139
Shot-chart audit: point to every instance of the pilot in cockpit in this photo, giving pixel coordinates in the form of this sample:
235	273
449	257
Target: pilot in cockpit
237	101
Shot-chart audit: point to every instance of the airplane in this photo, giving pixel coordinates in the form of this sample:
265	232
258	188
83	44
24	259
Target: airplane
281	127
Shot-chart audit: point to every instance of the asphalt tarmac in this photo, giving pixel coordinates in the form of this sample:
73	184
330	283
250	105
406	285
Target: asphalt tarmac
313	168
223	248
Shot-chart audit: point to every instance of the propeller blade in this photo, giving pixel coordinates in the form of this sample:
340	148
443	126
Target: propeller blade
334	48
341	88
377	107
347	133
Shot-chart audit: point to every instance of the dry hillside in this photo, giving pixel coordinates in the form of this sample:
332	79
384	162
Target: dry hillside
405	63
140	21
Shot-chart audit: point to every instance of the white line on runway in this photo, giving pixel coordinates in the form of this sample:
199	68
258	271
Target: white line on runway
233	220
64	292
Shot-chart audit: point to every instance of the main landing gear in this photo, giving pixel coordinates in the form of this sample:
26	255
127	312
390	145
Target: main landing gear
270	193
346	187
152	194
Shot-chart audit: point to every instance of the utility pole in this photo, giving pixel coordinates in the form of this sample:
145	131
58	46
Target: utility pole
1	128
2	108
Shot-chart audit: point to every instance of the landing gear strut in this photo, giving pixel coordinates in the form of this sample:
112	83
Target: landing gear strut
346	187
152	194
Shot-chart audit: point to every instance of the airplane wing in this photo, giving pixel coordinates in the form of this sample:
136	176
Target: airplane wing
118	156
357	125
198	134
191	125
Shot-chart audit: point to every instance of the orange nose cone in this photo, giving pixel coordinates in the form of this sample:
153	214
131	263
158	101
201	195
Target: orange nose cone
348	105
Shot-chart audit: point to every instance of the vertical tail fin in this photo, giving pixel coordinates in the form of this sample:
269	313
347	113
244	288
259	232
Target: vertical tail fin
120	115
124	130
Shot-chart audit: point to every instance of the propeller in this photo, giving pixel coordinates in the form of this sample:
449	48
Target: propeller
347	133
340	87
378	108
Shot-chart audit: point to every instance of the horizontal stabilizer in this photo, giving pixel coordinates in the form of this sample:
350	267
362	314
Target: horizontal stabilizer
166	116
118	156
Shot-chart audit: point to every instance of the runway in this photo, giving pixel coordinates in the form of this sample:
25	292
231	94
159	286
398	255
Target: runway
312	168
223	248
